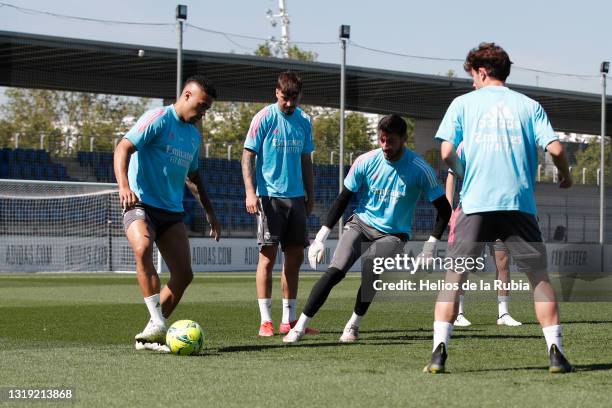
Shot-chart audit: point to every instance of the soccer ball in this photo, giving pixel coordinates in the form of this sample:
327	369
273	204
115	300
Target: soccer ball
185	338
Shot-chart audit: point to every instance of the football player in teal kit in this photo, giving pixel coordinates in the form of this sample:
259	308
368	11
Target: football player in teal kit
152	163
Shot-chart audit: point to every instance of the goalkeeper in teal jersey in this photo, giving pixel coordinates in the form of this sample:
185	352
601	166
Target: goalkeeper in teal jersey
390	180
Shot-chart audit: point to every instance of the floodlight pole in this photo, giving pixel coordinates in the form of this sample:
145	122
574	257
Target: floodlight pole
181	16
605	66
345	34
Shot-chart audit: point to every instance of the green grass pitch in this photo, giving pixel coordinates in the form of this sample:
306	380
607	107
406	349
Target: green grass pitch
77	331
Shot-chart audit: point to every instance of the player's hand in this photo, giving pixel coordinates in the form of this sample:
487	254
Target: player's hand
315	253
251	203
215	227
127	198
309	206
565	182
427	254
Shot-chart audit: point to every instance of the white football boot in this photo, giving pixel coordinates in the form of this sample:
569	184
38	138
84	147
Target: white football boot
293	336
461	321
153	333
350	334
507	320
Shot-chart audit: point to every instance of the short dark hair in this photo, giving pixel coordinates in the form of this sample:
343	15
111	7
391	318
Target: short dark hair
204	83
393	124
491	57
289	83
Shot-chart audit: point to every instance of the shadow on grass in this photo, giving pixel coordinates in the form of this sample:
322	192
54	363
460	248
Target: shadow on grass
574	322
577	368
464	335
420	330
370	341
488	370
593	367
263	347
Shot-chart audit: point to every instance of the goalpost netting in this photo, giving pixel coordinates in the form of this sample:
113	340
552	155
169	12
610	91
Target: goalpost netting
62	227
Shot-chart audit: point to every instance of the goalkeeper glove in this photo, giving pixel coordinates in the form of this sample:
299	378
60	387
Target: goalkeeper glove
427	253
317	247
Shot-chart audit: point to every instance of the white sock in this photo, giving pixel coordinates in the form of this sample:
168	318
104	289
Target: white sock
288	310
502	305
154	307
302	323
461	304
442	333
553	335
265	309
355	320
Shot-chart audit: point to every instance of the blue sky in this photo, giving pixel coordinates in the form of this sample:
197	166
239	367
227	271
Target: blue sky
545	35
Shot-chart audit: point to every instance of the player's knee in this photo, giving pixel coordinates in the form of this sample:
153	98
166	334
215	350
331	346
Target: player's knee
181	278
295	255
267	255
334	275
142	251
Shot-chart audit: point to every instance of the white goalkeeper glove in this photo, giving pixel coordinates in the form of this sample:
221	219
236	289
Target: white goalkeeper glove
427	253
316	251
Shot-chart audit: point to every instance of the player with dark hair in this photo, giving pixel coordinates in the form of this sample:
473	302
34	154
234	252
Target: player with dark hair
501	130
280	137
152	163
391	179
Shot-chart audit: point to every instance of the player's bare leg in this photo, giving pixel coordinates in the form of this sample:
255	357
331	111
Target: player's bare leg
547	312
294	256
545	302
446	311
263	283
141	240
174	248
502	266
447	305
461	320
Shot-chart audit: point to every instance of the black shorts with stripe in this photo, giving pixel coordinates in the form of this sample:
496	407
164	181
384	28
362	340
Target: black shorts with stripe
282	220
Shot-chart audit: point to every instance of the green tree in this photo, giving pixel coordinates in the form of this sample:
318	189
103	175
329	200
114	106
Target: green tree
264	50
297	54
66	119
99	116
268	49
228	123
410	131
29	113
589	159
326	127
